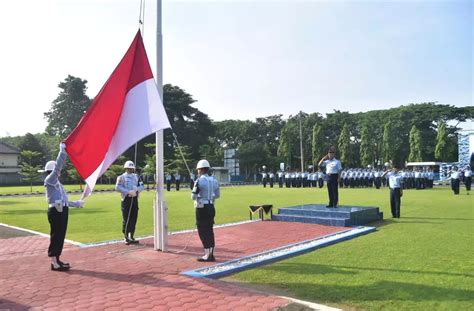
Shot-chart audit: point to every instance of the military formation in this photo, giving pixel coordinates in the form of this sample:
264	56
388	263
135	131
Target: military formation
417	178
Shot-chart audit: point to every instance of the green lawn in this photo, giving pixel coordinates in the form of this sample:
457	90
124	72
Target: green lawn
40	189
422	261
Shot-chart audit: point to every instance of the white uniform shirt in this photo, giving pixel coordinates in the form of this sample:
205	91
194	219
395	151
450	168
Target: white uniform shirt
394	180
332	166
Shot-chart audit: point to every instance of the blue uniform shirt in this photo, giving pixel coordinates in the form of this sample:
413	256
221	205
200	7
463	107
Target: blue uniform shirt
127	182
394	180
332	166
206	190
54	189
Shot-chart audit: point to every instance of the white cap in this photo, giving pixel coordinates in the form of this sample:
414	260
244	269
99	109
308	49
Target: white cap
50	165
203	164
129	164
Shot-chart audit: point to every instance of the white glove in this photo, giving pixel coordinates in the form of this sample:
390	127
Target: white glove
62	147
135	189
77	204
132	193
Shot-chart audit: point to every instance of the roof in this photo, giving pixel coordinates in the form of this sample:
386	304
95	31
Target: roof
4	148
423	163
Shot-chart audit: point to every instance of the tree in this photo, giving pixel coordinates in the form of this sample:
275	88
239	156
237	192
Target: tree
442	146
367	154
29	171
31	143
68	108
192	127
74	176
343	144
251	155
415	145
317	144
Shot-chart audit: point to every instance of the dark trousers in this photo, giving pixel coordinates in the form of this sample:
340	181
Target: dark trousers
129	215
264	182
168	185
333	190
58	225
320	182
467	182
271	182
205	222
378	182
395	200
280	182
177	185
455	185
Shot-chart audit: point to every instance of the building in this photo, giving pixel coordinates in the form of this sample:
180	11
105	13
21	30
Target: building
9	169
231	162
465	147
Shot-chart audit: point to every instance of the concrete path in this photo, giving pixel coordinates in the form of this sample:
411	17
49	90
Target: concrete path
120	277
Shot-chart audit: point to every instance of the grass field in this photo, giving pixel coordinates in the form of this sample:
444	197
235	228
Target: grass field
422	261
40	189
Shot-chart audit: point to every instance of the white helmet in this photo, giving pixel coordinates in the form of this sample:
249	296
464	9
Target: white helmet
129	164
203	164
50	165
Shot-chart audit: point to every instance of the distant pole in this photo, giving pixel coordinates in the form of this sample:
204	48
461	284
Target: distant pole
301	147
160	210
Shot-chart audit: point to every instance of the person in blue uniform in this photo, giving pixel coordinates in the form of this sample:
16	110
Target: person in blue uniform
177	180
129	185
455	180
468	178
333	169
205	192
395	183
58	209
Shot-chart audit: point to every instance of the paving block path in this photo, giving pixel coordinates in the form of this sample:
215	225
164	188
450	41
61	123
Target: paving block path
136	277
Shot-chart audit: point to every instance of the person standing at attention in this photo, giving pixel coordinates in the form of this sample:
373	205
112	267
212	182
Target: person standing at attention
129	185
333	169
395	183
205	192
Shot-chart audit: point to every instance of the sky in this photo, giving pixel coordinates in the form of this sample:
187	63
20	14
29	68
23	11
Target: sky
243	59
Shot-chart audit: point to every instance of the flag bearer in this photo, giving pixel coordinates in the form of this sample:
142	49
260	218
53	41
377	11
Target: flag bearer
58	209
129	185
205	192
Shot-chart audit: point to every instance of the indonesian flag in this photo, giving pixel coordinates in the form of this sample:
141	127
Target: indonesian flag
127	108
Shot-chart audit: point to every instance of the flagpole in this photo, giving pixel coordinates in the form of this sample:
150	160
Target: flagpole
160	209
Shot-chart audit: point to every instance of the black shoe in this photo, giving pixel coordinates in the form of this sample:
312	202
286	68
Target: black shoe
127	241
133	241
209	259
329	206
64	264
59	267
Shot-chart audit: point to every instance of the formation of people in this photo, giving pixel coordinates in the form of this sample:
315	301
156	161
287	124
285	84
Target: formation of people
349	178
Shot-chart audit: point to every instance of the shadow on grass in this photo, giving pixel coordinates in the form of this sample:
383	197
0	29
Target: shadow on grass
440	218
5	203
20	212
340	269
384	290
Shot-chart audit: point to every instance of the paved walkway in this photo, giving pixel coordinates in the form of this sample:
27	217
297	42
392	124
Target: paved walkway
120	277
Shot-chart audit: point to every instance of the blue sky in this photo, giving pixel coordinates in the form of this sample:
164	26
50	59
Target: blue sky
244	59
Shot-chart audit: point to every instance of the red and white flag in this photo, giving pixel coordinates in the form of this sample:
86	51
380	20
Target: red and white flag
127	108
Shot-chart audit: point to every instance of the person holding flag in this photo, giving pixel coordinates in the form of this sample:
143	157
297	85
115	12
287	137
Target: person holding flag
129	185
58	209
